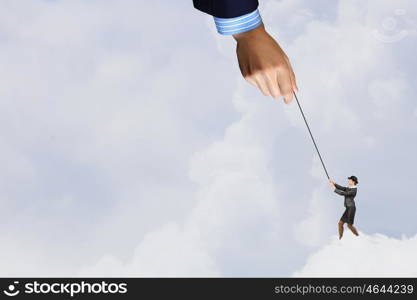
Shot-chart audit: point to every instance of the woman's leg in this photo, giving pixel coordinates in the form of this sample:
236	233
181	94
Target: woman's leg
340	229
351	217
353	229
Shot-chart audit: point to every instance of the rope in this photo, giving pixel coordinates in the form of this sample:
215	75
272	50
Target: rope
311	135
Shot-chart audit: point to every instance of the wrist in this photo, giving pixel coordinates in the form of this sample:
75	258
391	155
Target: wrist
256	32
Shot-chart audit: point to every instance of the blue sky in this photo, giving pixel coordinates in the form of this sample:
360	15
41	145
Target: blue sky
132	146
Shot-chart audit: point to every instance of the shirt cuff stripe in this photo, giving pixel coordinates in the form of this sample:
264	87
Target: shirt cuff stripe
240	24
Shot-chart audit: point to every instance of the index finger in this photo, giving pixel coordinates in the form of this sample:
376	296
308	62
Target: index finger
285	85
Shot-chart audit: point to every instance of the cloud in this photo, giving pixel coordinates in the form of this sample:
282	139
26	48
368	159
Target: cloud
236	204
99	123
168	252
125	154
314	230
375	255
388	97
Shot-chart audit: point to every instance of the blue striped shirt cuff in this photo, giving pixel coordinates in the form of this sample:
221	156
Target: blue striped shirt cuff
240	24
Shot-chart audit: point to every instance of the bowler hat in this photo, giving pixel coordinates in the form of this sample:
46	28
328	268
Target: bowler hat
354	178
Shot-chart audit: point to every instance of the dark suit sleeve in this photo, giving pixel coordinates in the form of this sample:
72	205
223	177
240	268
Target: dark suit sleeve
348	192
339	187
226	8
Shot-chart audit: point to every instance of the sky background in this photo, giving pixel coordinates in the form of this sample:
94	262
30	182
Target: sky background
130	145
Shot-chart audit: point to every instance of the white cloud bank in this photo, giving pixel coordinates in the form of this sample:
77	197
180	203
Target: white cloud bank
375	255
127	168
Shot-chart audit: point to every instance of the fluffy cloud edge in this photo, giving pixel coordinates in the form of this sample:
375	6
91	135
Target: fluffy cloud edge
375	255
